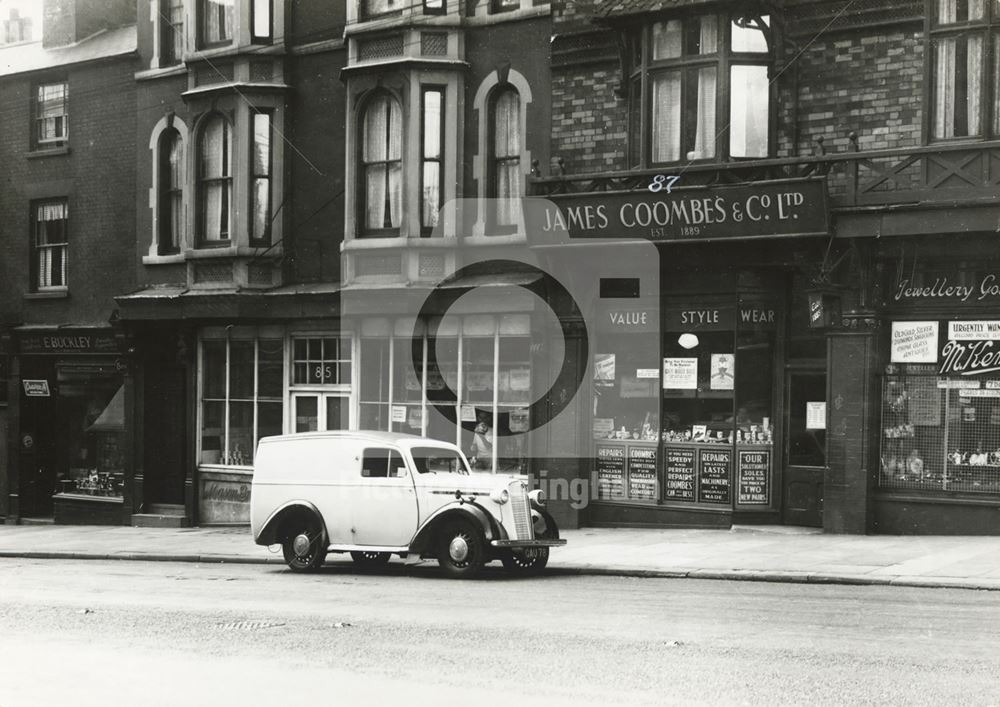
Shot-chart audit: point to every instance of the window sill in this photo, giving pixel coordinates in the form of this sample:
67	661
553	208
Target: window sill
51	294
494	18
171	259
39	153
161	72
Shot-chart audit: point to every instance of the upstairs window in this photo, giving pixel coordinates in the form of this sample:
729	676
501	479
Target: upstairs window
706	86
370	9
504	5
434	7
964	39
171	207
381	166
432	154
51	115
15	29
172	26
215	181
216	19
505	135
261	24
260	187
49	245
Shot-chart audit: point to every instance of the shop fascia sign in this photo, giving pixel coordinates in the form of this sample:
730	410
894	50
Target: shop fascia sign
69	342
943	289
781	208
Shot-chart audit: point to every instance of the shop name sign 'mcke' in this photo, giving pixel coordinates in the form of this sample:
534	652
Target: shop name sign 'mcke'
782	208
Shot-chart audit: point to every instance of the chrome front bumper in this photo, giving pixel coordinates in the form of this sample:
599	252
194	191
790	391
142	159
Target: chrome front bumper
527	543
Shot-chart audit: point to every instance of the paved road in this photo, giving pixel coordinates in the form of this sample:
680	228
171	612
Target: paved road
100	633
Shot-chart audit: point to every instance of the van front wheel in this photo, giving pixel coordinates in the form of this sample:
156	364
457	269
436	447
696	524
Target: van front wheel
304	547
461	549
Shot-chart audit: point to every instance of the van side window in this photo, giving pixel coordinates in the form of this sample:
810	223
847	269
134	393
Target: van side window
382	463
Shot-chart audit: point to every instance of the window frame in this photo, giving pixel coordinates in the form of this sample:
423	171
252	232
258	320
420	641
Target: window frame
35	269
171	33
362	228
425	230
169	195
46	143
500	6
204	41
264	239
988	30
442	9
493	225
225	179
640	68
255	7
365	15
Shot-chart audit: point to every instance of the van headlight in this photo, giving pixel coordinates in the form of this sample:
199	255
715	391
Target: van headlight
537	497
500	496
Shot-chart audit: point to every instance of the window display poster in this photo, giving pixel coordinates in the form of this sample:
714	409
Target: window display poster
753	472
714	471
722	371
398	413
519	420
416	419
679	472
604	367
642	473
603	425
633	387
520	378
974	331
468	413
815	415
610	467
680	373
914	342
924	401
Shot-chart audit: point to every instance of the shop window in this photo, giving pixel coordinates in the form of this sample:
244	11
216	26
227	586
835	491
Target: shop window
940	434
242	385
260	187
381	166
50	246
171	187
171	22
505	137
321	361
708	89
215	19
963	43
215	181
51	115
262	20
432	158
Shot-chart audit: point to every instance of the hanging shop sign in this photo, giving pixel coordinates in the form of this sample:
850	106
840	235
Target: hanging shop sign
781	208
36	388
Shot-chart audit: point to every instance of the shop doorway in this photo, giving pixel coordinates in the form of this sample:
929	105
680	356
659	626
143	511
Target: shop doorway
805	447
321	411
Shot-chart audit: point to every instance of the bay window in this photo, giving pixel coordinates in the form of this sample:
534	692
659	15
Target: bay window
260	179
699	89
214	181
381	165
216	19
432	151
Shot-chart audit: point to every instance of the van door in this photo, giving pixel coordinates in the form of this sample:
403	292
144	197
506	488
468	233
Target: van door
385	509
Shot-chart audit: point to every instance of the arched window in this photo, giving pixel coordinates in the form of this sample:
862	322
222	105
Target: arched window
171	197
505	181
381	166
215	181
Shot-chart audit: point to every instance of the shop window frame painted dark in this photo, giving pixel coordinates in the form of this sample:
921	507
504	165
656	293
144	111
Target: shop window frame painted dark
640	68
987	29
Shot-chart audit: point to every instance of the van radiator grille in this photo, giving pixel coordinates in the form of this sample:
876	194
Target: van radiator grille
522	515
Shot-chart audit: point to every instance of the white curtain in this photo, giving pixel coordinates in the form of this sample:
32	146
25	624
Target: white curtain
974	83
174	186
218	18
381	154
667	39
944	88
507	154
215	175
704	140
666	123
50	242
709	35
748	111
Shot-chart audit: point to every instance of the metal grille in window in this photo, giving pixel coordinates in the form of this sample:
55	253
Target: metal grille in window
378	265
213	272
941	434
381	48
433	43
431	266
213	74
261	71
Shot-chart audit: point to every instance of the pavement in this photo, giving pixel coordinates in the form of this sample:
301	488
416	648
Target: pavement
751	553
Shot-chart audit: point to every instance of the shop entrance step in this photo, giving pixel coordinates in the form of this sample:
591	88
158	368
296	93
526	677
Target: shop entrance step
165	509
44	520
159	520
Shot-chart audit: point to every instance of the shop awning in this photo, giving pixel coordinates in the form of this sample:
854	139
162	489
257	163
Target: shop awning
112	419
177	302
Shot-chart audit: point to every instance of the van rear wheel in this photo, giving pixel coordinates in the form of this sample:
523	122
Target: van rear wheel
369	559
304	546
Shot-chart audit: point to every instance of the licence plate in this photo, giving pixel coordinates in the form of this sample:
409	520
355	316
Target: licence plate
530	553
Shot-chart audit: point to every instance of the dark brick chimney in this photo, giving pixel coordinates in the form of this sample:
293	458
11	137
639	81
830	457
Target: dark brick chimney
68	21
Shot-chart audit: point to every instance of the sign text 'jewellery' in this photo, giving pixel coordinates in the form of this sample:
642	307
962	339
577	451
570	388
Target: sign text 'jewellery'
942	289
783	208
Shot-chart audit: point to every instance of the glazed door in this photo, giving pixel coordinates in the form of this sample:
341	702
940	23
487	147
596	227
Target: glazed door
320	412
805	448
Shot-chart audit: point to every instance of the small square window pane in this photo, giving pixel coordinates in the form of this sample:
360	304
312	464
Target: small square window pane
701	35
748	33
748	112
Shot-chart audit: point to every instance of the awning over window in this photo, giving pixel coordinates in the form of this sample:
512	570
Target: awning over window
176	302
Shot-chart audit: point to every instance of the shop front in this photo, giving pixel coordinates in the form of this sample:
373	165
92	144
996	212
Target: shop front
939	431
70	426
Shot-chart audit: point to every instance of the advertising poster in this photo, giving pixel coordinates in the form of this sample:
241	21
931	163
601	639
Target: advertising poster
753	469
642	473
722	371
680	373
604	367
816	415
519	420
714	470
679	473
610	468
914	342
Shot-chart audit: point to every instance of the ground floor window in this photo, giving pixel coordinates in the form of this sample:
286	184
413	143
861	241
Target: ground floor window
242	384
465	380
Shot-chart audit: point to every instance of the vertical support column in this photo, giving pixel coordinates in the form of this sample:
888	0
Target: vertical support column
13	470
849	481
188	355
133	492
